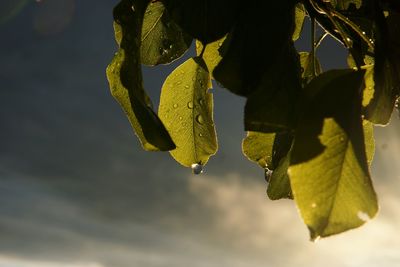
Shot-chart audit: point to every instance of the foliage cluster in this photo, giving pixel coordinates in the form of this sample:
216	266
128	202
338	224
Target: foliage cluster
312	131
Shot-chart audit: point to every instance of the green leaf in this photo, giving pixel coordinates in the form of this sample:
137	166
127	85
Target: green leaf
300	14
125	78
258	147
380	93
307	71
279	185
273	105
211	54
205	20
386	74
271	152
162	39
329	171
257	45
186	108
369	141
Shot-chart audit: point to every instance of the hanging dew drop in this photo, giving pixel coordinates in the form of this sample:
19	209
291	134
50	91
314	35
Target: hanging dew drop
267	174
197	168
350	42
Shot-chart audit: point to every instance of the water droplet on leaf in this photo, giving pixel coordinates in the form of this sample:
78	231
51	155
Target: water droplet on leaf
175	105
199	119
267	174
197	168
349	42
190	104
363	216
315	239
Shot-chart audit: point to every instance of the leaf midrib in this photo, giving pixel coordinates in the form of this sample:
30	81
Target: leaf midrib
153	26
346	149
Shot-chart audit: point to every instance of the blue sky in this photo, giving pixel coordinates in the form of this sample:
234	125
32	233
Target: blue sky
76	190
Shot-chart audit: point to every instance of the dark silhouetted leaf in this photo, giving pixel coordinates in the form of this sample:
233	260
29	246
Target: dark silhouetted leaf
186	108
279	186
205	20
345	4
125	78
272	106
257	45
386	74
162	39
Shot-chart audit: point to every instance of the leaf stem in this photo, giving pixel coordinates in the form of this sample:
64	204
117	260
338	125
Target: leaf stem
339	28
330	13
355	28
320	39
313	31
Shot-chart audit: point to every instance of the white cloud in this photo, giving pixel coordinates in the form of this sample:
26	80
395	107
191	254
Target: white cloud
17	262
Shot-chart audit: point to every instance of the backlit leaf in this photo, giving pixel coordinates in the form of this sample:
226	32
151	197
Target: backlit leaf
125	78
300	14
258	147
271	152
308	73
162	39
329	171
186	109
211	55
369	140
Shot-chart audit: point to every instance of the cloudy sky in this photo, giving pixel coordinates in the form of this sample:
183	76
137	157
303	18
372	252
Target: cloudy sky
76	190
